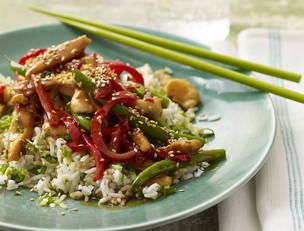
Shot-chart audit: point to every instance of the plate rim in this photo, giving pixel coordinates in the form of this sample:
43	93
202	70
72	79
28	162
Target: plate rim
188	212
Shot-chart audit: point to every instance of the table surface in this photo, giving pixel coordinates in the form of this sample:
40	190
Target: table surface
280	14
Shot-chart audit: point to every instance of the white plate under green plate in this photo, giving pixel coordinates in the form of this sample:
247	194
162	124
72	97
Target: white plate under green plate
246	131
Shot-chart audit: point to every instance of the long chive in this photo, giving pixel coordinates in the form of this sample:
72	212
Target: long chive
182	47
190	61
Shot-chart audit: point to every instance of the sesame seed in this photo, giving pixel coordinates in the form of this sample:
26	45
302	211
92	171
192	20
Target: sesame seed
74	209
32	199
181	190
62	213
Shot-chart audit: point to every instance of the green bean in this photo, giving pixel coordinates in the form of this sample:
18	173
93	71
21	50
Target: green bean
161	122
178	133
189	137
141	91
209	156
84	82
167	190
165	100
156	169
167	166
84	121
18	68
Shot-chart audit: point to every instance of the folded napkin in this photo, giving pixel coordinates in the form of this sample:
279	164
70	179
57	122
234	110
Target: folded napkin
274	199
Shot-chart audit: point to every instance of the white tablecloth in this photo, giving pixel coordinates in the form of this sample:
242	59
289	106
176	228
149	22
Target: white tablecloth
274	199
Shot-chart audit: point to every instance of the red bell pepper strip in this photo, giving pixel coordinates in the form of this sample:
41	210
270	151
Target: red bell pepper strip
31	54
96	132
162	154
119	67
127	145
118	134
104	92
98	157
2	88
181	157
72	126
116	86
118	97
46	103
138	163
77	147
116	138
107	132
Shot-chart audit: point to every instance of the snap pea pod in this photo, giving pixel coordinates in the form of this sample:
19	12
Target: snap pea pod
167	166
165	100
189	137
84	121
156	169
18	68
150	130
84	82
179	134
209	156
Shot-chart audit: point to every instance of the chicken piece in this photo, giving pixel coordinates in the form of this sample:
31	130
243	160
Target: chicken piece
8	94
15	148
141	140
161	180
81	103
182	92
151	109
88	60
26	117
22	120
63	82
54	132
17	92
59	55
184	146
18	99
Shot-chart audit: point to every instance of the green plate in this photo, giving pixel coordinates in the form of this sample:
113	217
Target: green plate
246	131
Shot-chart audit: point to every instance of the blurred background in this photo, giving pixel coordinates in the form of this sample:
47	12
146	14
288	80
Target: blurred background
191	18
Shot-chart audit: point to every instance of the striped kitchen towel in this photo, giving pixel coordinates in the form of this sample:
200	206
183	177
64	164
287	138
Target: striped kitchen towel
274	199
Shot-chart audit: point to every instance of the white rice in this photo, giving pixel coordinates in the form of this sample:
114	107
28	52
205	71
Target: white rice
151	191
